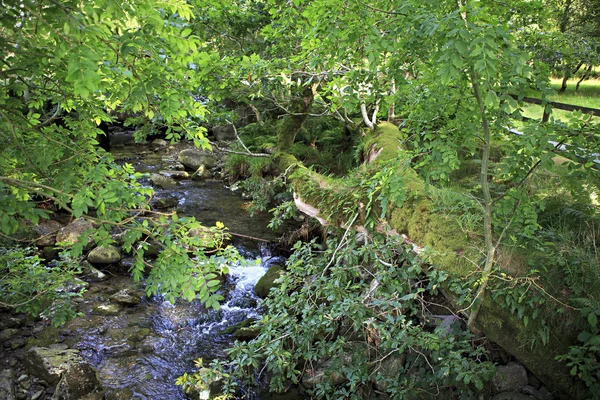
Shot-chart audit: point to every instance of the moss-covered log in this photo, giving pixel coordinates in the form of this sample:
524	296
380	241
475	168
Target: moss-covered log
331	201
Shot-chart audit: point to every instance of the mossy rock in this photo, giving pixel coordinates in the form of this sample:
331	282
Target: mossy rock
232	329
264	284
246	333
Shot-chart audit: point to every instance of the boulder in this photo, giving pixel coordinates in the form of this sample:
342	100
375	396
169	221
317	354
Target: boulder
162	181
264	284
159	143
71	233
509	378
167	201
47	230
104	255
201	173
193	159
126	297
7	384
107	309
92	274
77	382
50	253
246	334
224	132
8	334
51	365
177	175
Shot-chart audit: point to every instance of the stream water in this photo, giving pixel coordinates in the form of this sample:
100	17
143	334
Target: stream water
142	350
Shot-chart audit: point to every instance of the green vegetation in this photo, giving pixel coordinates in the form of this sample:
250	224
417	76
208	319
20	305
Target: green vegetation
505	230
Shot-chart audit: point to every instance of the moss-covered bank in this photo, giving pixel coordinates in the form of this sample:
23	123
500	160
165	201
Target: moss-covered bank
334	201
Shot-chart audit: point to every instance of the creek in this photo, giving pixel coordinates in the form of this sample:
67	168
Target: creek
139	351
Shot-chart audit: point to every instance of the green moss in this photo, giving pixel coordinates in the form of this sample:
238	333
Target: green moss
264	284
386	140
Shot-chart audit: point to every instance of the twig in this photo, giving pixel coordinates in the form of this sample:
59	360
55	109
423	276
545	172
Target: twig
339	246
248	237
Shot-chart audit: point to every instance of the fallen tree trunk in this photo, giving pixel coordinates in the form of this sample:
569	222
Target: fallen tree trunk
334	202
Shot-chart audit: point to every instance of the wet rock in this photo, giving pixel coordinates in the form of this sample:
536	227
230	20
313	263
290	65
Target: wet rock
37	395
107	309
120	394
17	343
509	378
7	322
244	324
7	387
159	143
243	302
74	286
50	364
193	159
162	181
126	264
92	274
78	380
511	396
201	173
8	334
47	230
126	297
50	253
104	255
71	233
246	334
177	175
264	284
162	203
546	394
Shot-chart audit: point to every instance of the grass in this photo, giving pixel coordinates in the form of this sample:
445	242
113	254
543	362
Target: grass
588	95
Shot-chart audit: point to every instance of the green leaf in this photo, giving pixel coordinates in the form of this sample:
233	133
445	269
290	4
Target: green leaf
592	319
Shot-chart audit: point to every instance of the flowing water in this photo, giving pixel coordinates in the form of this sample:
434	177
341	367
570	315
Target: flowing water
142	350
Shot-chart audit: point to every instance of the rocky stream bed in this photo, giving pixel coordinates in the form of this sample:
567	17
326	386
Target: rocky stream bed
125	345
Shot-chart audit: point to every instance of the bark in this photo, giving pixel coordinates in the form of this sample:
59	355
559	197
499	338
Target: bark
301	100
365	116
490	249
569	74
584	77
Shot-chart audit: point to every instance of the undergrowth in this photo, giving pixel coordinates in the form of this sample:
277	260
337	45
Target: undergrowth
354	321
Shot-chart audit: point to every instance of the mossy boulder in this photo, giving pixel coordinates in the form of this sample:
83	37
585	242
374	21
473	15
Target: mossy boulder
47	230
193	159
104	255
70	234
246	333
264	284
163	182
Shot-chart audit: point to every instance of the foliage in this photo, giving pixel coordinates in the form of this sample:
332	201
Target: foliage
368	303
70	68
30	286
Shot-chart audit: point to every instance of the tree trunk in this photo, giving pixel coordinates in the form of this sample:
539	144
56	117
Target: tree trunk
490	249
585	75
568	74
300	102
